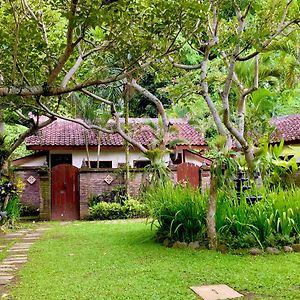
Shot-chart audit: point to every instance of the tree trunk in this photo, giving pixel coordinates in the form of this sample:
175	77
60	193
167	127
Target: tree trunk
211	214
127	97
98	149
87	149
251	167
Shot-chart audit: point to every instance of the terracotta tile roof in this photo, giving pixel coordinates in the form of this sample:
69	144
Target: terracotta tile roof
286	127
66	133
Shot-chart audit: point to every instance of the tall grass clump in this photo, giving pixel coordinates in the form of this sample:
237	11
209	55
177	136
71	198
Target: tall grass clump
273	221
178	211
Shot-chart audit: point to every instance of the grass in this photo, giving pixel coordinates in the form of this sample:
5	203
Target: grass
120	260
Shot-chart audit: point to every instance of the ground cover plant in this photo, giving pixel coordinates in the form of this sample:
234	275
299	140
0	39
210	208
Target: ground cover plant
121	260
130	208
10	207
180	213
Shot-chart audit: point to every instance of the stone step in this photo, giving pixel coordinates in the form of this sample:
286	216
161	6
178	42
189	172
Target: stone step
14	262
30	239
23	244
13	235
9	266
7	269
5	279
18	250
14	259
18	256
6	273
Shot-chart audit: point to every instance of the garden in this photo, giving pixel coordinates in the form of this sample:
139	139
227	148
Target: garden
228	69
121	260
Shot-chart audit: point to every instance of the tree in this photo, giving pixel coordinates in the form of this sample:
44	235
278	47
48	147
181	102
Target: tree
233	33
58	50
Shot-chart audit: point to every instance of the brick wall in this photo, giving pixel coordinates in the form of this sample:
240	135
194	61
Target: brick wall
92	182
31	193
296	178
204	179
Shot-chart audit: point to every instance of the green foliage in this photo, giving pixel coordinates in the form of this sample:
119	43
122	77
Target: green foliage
3	151
140	106
273	221
9	201
275	170
180	211
12	133
157	171
110	211
117	194
13	209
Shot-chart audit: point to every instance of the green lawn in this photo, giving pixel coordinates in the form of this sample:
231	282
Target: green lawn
102	260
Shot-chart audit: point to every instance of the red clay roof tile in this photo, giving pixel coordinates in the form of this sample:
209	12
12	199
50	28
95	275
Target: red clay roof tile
286	127
66	133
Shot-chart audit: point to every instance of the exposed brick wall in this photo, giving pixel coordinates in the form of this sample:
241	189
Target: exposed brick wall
136	180
296	178
204	179
92	182
31	193
45	196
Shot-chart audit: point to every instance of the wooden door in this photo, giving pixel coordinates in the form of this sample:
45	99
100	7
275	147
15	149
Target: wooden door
65	193
188	172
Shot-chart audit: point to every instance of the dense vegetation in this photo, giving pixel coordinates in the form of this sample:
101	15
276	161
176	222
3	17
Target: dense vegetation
180	214
228	65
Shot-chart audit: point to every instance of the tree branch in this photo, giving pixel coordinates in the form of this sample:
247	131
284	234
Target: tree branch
35	126
80	59
69	47
42	26
157	103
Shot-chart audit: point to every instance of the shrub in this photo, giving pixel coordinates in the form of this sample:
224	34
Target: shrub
109	211
134	209
29	211
180	211
13	209
117	194
9	200
275	220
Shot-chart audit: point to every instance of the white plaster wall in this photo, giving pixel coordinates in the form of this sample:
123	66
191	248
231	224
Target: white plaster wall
35	162
116	157
193	161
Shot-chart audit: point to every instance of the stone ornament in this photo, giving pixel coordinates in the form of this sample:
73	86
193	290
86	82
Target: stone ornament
108	179
31	180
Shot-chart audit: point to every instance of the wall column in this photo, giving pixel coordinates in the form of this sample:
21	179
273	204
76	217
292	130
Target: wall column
45	195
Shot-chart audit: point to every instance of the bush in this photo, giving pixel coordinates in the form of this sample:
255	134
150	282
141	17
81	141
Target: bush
29	211
13	209
117	194
273	221
110	211
9	200
180	212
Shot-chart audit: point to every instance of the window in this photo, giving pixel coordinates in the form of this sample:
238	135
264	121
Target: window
58	159
141	163
176	160
102	164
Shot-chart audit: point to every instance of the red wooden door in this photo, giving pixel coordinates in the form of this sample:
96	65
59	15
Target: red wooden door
188	172
65	194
